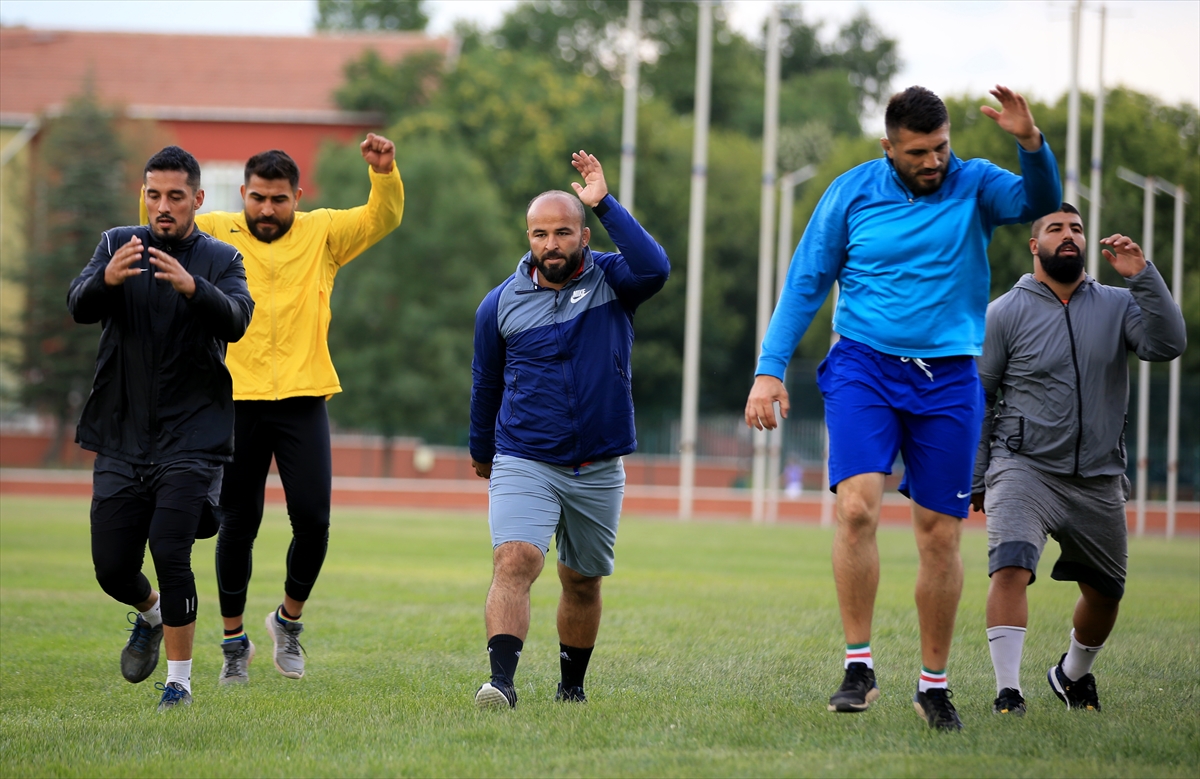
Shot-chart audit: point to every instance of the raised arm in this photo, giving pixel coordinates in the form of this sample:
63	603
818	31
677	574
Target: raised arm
354	230
1009	199
1154	326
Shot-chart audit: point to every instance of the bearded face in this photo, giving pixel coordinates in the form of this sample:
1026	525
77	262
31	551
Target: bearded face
1064	263
557	267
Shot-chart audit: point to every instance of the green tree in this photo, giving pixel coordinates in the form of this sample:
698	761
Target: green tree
372	15
404	312
393	89
79	193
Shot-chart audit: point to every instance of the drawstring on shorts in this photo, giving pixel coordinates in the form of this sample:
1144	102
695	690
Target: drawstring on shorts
920	364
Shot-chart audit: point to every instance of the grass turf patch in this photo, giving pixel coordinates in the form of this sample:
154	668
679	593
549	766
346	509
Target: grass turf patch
719	648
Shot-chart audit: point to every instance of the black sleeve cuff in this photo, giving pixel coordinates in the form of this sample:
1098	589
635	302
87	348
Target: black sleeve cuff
604	206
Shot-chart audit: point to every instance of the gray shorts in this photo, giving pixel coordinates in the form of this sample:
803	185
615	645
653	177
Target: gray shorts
1085	516
580	507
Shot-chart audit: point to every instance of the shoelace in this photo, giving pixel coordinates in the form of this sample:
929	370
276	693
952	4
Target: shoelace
291	642
170	694
1085	690
140	638
940	698
859	675
235	664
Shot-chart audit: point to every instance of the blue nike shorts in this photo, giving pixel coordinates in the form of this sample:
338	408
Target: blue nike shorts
928	410
579	508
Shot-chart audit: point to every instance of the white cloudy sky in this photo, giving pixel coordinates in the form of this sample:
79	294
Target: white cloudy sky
952	46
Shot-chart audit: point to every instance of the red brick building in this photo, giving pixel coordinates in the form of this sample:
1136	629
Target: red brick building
223	98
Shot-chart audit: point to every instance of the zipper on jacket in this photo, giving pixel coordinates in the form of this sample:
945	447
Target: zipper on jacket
154	374
274	331
1078	389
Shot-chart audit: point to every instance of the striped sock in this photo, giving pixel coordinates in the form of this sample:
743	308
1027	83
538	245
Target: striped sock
282	615
859	653
930	679
237	634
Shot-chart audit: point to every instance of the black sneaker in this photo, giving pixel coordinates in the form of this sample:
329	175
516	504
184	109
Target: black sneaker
570	694
935	706
139	658
496	694
1009	701
858	691
173	696
1078	694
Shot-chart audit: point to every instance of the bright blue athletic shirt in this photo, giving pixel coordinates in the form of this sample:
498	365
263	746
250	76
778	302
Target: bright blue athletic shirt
913	271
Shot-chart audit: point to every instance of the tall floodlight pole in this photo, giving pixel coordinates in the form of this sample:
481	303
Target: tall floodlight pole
766	237
783	256
1173	403
1071	190
633	30
1147	183
695	265
1093	261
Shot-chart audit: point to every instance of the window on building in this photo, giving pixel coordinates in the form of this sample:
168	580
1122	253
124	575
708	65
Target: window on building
222	182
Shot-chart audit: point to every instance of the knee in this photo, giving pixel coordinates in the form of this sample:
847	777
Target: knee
1098	601
517	562
117	581
938	535
580	588
1011	578
857	515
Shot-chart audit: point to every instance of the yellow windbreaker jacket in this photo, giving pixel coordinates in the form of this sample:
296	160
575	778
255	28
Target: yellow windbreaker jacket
285	353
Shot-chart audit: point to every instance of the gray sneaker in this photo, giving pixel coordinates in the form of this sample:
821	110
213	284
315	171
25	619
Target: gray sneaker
236	669
288	656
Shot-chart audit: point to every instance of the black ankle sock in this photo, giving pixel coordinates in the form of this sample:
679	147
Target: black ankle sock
574	662
236	631
284	612
504	651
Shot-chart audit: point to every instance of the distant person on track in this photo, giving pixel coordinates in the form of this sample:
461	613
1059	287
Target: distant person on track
160	414
905	236
1052	452
551	416
282	377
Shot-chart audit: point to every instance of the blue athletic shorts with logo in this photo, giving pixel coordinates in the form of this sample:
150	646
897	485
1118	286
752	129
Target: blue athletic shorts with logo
927	410
579	507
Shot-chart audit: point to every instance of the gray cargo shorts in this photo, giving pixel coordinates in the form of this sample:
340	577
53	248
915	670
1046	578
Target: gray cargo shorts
1085	515
579	507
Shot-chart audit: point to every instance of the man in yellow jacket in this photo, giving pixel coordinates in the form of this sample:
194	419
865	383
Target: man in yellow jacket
282	376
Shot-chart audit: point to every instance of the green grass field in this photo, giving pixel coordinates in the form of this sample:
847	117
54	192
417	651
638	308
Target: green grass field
719	648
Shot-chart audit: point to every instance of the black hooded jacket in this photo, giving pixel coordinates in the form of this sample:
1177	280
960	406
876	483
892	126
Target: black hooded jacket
161	390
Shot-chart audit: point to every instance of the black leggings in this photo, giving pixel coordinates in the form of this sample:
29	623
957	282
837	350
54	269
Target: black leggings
296	432
161	504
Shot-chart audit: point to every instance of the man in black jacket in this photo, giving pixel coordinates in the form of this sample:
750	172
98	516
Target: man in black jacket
160	414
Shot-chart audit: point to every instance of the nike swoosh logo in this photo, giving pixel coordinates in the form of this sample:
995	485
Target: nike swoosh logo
990	640
579	295
234	230
964	494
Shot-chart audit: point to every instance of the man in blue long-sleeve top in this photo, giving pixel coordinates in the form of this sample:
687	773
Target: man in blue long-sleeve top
905	236
551	416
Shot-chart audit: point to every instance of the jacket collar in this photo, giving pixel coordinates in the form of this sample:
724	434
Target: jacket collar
525	269
171	247
1030	283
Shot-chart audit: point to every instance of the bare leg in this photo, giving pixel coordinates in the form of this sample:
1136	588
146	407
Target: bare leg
579	608
179	641
939	582
855	554
1007	601
515	567
1095	615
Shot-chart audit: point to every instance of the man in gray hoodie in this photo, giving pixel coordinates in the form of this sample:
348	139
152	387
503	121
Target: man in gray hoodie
1051	457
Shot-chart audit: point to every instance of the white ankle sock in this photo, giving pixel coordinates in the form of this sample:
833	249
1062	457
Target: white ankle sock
153	615
859	653
931	679
1006	643
180	671
1079	659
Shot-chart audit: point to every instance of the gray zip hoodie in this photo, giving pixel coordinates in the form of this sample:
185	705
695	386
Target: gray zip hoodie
1062	374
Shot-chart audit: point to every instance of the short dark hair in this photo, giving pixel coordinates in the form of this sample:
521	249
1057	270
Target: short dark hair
560	193
1065	208
915	109
175	158
273	165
